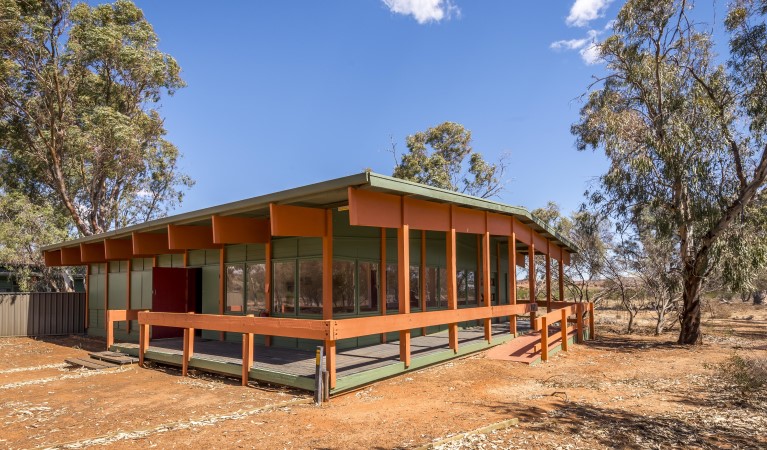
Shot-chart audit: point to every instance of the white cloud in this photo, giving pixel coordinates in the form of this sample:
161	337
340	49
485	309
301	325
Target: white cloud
584	11
424	11
587	47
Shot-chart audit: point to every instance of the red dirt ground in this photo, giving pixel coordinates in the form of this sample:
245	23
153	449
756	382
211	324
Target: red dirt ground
634	391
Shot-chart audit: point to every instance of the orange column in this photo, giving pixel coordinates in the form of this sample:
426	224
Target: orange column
128	292
513	280
452	285
486	282
531	279
382	272
268	285
548	276
403	272
327	294
221	286
422	277
87	293
110	332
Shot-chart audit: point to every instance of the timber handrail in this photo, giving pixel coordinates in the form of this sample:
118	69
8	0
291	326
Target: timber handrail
118	315
562	315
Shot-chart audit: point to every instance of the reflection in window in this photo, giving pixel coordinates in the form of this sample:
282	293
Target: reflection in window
415	287
432	288
343	287
392	293
442	287
368	286
255	289
234	288
310	286
471	287
285	287
461	282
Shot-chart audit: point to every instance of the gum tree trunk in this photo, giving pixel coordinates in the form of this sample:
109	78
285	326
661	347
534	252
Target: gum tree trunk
690	332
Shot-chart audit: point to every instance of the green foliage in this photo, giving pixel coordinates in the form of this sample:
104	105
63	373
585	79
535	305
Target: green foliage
24	228
437	157
79	122
685	138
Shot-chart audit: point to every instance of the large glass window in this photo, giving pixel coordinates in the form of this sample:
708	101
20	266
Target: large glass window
432	287
415	288
343	287
442	287
471	287
310	286
461	282
235	288
392	288
284	287
255	289
367	286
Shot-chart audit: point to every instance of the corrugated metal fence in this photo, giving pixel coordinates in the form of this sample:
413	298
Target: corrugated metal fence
42	313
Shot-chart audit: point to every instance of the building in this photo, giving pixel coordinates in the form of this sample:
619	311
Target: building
387	275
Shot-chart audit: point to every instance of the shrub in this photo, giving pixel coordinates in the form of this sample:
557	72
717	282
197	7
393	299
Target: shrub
747	376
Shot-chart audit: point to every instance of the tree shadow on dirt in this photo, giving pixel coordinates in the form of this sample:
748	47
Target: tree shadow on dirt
87	343
625	344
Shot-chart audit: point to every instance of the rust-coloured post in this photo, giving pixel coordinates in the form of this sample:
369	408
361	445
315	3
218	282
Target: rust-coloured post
548	280
452	285
422	278
221	286
247	356
111	331
188	348
87	293
143	342
128	293
513	280
579	323
592	327
110	328
382	272
563	326
486	281
330	362
561	279
544	339
268	285
403	269
531	271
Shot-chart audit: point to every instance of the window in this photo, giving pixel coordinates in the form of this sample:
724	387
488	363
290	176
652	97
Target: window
255	289
442	287
432	288
367	286
310	286
415	288
235	288
392	290
461	282
471	288
285	287
343	287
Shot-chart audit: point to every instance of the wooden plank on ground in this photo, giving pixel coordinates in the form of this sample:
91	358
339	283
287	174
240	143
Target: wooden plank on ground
90	363
114	357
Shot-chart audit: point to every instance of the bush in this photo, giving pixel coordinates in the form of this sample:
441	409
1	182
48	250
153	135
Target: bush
747	376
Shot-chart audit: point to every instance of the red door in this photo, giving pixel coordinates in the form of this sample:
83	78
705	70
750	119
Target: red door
171	293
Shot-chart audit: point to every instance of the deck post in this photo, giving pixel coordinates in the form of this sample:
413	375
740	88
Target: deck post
513	280
422	278
579	322
327	294
268	285
592	327
188	348
221	286
548	276
109	327
563	326
544	339
452	288
561	279
403	269
330	362
318	376
486	281
143	342
382	274
247	356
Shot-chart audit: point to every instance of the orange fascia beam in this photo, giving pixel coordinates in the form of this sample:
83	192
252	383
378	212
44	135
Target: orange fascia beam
188	237
566	257
524	232
374	209
118	249
70	256
520	259
92	253
423	215
52	258
151	244
499	225
240	230
465	220
555	251
288	220
541	243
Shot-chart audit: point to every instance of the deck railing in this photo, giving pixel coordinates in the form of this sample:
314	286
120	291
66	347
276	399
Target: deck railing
330	331
562	316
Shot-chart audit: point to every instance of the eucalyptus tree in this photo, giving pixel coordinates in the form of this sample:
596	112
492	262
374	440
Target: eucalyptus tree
438	157
686	136
80	127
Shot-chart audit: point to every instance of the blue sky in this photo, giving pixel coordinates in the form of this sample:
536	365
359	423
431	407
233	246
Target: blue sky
282	94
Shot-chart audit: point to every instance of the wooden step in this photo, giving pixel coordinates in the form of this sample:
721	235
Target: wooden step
88	363
114	357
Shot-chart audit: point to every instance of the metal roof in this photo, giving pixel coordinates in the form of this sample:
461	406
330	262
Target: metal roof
329	193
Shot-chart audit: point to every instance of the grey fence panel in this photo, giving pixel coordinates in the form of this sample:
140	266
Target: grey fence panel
42	313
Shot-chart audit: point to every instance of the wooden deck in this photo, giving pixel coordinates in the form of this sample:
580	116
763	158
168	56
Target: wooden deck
293	367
